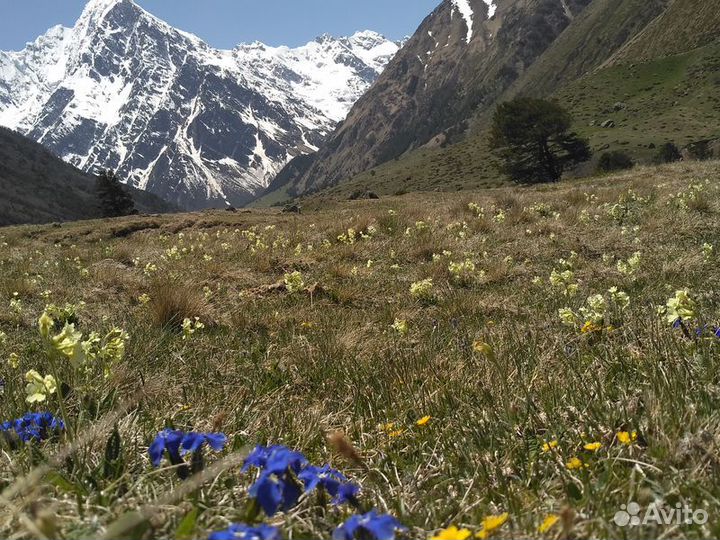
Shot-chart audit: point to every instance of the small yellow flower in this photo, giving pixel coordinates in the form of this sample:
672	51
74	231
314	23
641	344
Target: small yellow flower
590	327
575	463
548	446
423	421
627	438
69	343
548	523
396	433
38	388
388	427
14	360
490	524
452	533
593	447
400	326
482	348
45	324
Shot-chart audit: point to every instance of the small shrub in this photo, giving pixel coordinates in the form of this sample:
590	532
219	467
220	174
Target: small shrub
615	161
668	153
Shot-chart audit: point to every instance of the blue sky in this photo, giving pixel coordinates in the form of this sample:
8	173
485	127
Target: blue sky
225	23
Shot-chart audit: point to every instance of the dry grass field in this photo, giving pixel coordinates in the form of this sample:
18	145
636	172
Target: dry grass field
506	361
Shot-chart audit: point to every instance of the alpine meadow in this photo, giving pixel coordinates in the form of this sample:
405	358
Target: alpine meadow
461	284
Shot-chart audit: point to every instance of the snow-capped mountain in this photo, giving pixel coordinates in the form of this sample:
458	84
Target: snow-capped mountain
198	126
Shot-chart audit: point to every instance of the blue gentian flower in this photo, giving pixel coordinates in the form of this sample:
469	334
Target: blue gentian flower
276	487
240	531
34	426
178	443
275	492
332	480
717	333
277	459
346	493
371	525
192	442
167	439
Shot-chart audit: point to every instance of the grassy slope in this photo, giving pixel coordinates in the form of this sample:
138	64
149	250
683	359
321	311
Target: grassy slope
671	99
273	367
674	97
687	24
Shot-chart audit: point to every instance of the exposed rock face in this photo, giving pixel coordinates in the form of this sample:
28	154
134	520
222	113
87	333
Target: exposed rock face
198	126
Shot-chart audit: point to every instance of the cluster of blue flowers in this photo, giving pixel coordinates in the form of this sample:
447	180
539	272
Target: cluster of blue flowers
700	331
33	427
239	531
284	476
359	526
372	525
178	443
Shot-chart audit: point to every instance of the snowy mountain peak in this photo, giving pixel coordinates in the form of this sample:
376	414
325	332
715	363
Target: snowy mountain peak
199	126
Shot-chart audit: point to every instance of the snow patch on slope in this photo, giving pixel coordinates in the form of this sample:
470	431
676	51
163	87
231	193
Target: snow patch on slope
492	7
465	10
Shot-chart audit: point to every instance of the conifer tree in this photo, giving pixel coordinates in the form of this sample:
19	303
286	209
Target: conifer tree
114	200
533	140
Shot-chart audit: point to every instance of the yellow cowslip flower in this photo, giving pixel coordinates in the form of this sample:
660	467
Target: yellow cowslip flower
422	290
575	463
548	446
595	308
13	360
294	282
38	388
424	420
45	324
396	433
452	533
400	326
190	326
69	343
548	523
490	524
144	298
626	438
593	447
681	307
567	316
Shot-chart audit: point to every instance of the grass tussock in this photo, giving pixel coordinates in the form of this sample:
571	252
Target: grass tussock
173	301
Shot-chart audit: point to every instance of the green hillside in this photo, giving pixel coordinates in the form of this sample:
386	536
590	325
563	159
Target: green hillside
38	187
675	99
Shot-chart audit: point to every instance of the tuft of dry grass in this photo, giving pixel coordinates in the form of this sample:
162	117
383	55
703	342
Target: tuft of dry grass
173	300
